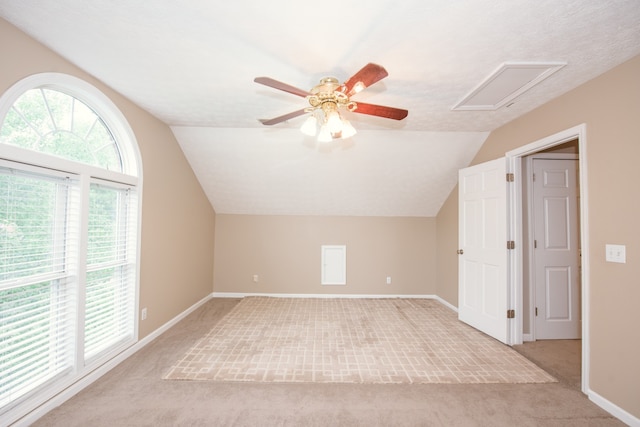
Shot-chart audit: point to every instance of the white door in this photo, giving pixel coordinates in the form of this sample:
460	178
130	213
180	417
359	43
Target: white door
556	252
482	262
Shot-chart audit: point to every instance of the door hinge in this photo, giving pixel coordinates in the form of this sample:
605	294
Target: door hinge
511	244
510	177
535	244
511	314
536	311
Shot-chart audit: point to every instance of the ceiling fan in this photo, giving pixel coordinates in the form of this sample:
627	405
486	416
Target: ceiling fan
327	98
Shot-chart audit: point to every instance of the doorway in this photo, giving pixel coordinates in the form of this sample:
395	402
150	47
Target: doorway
519	271
551	244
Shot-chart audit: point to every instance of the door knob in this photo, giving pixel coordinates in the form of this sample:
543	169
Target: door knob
460	251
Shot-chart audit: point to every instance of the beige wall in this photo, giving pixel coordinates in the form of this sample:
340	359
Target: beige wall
610	107
178	222
177	219
447	245
284	251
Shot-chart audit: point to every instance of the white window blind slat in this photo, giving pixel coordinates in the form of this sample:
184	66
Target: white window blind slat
18	315
110	289
33	319
35	351
20	329
32	236
36	335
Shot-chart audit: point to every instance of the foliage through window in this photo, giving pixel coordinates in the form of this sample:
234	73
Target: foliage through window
68	246
53	122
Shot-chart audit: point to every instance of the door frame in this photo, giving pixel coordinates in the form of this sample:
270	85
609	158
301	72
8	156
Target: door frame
515	230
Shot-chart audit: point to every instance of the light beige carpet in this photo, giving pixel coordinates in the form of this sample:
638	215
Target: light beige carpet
350	341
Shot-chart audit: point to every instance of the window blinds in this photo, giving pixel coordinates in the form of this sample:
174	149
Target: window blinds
37	281
44	296
110	283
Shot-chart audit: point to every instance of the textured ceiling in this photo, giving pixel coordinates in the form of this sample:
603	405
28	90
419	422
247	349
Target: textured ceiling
192	65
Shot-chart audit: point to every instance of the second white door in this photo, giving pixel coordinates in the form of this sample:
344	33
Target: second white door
556	252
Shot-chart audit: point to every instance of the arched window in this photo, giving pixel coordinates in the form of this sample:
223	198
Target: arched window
69	213
53	122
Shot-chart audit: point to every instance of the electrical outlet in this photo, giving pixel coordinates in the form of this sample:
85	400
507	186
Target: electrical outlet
388	280
143	314
616	253
255	278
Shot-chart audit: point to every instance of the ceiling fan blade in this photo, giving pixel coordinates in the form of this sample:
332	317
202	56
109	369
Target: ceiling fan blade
282	118
368	75
381	111
268	81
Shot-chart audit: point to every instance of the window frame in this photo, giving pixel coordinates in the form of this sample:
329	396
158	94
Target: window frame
27	160
92	97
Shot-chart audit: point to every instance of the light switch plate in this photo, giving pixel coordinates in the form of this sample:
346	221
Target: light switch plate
616	253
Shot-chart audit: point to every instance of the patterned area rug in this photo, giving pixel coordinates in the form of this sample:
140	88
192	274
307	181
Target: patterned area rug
293	340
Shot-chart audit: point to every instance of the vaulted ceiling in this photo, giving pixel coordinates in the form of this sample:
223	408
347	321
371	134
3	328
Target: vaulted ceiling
192	65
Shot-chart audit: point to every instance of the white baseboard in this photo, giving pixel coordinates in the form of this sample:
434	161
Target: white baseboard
527	337
378	296
448	304
613	409
162	329
94	375
254	294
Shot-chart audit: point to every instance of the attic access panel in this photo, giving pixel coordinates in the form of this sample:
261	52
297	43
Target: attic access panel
506	83
334	265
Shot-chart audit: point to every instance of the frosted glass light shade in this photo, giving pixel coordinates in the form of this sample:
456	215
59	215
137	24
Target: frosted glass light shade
347	129
334	122
310	126
325	134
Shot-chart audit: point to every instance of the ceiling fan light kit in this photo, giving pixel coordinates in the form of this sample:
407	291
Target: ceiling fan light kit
325	120
327	98
310	126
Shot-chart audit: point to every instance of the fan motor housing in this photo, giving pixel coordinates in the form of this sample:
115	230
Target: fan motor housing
326	92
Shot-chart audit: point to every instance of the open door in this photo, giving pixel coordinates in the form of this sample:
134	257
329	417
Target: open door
556	249
483	258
